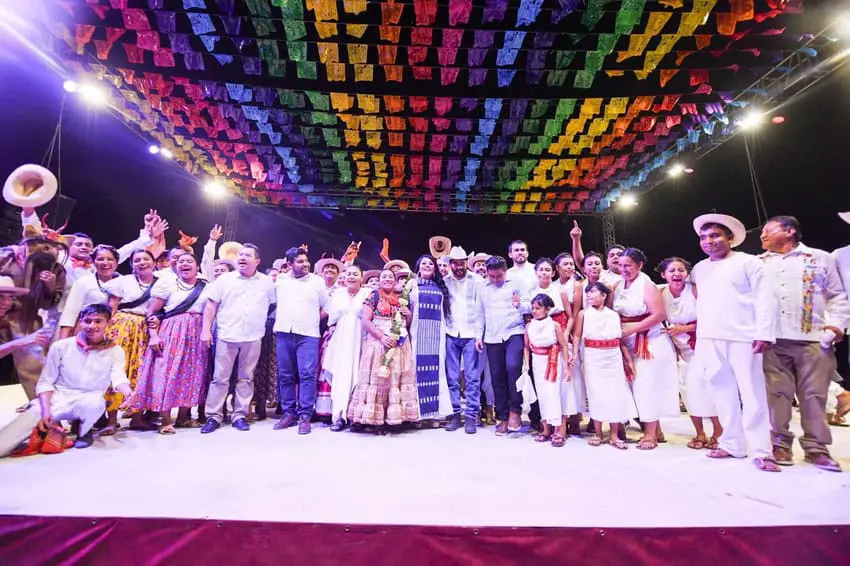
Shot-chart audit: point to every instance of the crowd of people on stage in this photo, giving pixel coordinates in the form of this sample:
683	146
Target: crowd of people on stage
458	340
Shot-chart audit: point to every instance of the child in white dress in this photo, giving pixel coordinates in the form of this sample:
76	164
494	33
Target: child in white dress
546	348
607	365
680	304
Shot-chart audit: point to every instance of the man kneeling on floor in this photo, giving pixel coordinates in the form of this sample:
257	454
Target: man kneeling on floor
76	375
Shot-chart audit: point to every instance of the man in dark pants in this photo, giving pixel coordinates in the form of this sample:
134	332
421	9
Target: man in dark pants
502	303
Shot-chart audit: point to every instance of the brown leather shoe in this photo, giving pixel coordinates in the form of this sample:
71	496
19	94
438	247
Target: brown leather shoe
824	462
502	428
783	456
514	422
287	421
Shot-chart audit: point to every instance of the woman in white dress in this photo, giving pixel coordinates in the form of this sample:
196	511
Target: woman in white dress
607	366
680	306
656	385
546	350
342	355
571	284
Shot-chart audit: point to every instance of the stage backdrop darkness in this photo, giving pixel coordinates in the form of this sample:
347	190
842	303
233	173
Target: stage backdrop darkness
802	167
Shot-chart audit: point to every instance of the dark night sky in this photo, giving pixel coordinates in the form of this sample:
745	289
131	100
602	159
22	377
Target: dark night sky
802	167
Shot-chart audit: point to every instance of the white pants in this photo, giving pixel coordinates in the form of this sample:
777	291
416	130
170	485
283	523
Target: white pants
736	380
85	407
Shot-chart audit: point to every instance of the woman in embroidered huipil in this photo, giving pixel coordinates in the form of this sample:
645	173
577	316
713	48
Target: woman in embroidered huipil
176	361
385	393
429	302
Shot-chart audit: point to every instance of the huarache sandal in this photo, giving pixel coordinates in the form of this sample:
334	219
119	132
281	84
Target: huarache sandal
558	441
542	438
766	464
618	444
595	440
698	443
647	444
712	443
108	430
167	429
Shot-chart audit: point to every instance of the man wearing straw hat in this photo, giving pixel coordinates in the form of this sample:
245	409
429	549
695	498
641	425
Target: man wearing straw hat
736	323
39	338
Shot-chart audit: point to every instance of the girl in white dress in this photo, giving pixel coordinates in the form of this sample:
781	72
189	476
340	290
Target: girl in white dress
656	385
572	290
606	360
342	355
680	305
546	348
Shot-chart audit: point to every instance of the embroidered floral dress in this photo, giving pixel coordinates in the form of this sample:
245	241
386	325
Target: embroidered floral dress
384	395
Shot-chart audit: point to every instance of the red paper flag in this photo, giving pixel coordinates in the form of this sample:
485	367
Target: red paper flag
426	12
82	36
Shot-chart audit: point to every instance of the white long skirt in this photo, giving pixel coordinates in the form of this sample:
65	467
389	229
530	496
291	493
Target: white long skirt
609	398
557	398
656	384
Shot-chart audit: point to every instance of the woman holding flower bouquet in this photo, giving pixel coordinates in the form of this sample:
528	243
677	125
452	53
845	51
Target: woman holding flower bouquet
385	393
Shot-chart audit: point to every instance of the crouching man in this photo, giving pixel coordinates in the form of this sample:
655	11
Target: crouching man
72	384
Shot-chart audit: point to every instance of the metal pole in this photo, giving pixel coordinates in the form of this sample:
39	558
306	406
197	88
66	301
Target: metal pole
609	237
231	221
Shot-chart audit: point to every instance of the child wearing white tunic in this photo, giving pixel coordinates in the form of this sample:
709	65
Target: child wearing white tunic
680	305
546	347
605	359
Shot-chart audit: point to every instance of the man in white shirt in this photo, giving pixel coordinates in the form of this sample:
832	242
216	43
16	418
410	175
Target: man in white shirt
736	323
813	314
502	303
241	300
522	268
464	331
75	378
300	300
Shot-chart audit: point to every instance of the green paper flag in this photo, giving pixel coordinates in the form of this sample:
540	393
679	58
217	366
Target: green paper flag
556	78
530	126
260	8
606	43
306	70
294	30
584	79
292	9
277	68
263	27
540	109
564	59
629	16
318	100
268	49
565	109
553	127
297	50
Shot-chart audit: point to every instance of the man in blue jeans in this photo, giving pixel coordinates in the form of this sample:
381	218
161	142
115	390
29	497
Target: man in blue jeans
503	300
300	300
464	331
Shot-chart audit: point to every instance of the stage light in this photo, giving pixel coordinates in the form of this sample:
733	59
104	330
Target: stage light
92	94
165	152
70	86
688	170
153	149
627	201
676	170
215	189
778	119
751	120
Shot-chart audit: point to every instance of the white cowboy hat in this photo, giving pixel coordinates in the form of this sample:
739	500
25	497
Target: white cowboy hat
845	216
458	254
739	231
400	263
30	185
322	263
475	258
229	250
7	286
439	246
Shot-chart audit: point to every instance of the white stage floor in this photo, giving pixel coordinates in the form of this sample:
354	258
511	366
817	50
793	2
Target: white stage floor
427	477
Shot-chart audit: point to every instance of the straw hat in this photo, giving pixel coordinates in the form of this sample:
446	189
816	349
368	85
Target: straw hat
439	246
739	231
367	275
322	263
400	263
7	286
229	250
475	258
